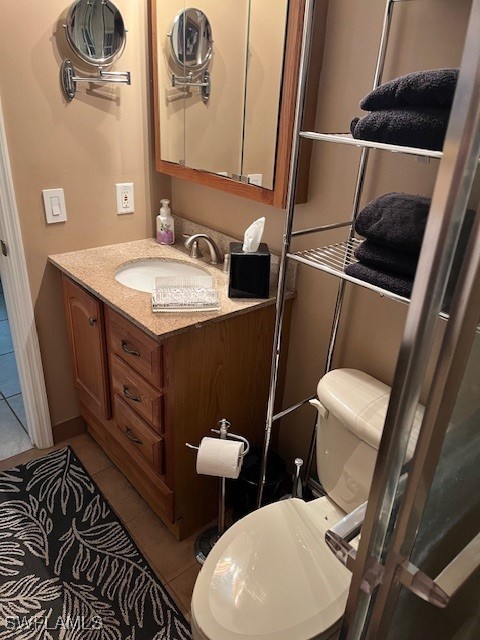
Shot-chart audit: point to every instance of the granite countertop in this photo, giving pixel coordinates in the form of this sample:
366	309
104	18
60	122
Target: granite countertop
94	269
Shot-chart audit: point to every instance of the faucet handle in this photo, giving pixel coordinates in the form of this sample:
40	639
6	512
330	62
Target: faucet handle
193	246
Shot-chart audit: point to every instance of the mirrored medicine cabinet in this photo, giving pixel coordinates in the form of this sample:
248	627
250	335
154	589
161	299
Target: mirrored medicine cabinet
224	87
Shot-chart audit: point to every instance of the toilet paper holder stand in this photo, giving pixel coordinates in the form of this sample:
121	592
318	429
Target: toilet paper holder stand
206	540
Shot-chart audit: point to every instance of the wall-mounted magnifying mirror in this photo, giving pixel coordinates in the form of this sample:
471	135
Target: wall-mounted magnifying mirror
96	33
191	50
191	39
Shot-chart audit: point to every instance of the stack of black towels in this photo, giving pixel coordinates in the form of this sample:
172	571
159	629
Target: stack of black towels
411	111
394	226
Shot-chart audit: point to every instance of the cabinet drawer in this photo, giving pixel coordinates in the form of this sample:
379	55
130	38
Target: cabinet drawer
137	393
137	349
148	482
137	434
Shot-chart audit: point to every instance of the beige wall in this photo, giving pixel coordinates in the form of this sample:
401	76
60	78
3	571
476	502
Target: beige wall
100	138
426	34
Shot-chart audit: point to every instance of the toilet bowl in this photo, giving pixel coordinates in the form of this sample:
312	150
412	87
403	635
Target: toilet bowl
271	576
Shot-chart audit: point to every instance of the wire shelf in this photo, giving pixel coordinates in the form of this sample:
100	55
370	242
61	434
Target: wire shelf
333	259
346	138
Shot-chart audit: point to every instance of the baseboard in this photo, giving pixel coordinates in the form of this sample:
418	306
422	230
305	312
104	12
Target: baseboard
69	429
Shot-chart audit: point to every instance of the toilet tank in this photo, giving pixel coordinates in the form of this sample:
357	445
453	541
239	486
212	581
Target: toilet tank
351	413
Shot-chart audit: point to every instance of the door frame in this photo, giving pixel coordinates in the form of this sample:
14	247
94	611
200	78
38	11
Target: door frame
19	304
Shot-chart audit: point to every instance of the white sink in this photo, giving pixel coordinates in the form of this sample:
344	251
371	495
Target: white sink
141	275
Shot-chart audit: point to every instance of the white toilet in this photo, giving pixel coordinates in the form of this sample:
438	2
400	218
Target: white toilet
271	576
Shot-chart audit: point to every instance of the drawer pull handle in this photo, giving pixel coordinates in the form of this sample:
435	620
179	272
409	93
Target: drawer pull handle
126	348
92	321
128	394
130	436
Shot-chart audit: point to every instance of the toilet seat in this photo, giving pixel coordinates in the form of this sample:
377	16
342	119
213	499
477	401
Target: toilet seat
272	576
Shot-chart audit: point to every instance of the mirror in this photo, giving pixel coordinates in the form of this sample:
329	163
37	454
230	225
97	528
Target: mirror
239	139
95	31
191	39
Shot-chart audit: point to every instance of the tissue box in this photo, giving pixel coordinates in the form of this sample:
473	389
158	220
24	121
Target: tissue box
249	272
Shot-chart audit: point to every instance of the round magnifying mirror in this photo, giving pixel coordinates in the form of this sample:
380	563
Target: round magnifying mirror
95	31
191	39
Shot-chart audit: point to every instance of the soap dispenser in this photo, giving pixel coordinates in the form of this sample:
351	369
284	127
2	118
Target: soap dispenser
165	224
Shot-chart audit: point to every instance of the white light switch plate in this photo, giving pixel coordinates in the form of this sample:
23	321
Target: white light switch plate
54	205
125	198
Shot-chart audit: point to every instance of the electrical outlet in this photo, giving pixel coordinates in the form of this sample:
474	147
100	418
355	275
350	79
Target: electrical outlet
125	198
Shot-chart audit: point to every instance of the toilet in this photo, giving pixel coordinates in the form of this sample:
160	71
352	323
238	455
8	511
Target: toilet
271	576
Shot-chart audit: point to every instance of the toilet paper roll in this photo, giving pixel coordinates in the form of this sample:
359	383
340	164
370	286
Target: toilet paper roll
221	458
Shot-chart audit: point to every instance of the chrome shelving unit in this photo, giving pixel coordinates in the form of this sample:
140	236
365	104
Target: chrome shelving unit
333	258
348	139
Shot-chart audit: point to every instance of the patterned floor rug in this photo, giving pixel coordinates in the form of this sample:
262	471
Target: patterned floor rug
68	568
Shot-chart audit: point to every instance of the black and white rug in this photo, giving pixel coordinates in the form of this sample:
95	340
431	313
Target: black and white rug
68	568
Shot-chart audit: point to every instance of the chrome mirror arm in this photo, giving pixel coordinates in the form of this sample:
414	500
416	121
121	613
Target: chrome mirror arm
69	79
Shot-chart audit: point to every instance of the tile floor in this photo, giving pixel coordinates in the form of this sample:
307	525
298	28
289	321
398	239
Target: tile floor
173	561
13	430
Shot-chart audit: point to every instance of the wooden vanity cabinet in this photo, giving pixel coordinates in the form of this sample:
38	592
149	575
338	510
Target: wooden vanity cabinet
88	346
165	393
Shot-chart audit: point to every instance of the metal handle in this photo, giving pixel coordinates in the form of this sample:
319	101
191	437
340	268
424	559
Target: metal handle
92	321
127	393
339	536
440	590
130	436
126	348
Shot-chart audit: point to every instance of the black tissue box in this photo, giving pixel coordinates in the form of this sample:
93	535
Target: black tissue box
249	272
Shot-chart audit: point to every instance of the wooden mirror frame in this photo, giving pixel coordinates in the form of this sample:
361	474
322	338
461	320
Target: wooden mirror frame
276	197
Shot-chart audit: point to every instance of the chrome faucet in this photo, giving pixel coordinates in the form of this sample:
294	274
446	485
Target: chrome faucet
192	243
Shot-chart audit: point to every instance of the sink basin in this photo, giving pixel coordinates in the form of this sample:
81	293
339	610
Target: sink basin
141	275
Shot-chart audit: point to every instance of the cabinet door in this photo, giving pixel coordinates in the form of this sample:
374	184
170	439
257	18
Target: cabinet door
87	339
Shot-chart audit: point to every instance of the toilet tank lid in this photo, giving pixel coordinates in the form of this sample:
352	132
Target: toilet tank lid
360	402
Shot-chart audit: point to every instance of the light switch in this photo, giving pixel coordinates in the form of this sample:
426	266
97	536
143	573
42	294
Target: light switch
54	204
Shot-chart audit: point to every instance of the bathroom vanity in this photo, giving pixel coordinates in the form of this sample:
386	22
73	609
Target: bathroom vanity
148	383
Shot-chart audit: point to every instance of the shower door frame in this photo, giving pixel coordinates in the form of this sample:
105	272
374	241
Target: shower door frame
381	564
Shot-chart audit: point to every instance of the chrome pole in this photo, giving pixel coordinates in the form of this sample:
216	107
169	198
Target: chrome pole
224	424
292	188
362	170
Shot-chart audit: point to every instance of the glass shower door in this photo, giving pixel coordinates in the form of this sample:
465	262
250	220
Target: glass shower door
449	524
415	573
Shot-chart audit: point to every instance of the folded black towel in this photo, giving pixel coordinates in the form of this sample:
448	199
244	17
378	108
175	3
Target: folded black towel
424	128
386	259
401	285
398	221
395	220
434	88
